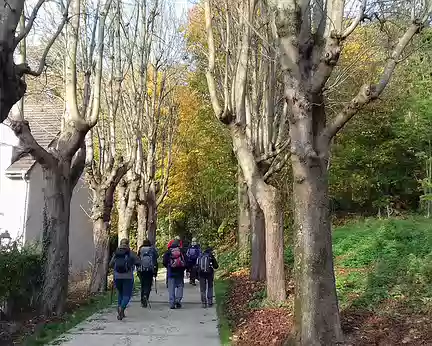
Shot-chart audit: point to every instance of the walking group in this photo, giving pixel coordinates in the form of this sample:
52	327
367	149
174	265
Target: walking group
198	264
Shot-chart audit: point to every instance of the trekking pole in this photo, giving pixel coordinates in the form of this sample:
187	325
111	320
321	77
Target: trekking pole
155	285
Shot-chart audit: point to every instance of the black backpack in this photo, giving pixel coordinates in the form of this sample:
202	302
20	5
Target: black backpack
122	261
204	265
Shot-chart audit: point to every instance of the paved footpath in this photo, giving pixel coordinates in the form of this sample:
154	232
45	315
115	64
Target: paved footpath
157	325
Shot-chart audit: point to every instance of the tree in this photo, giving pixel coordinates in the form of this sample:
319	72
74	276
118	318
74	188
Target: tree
12	82
249	215
105	172
63	162
156	54
160	121
310	38
254	117
138	43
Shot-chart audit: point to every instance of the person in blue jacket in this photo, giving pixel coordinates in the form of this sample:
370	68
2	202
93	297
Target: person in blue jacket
123	261
192	254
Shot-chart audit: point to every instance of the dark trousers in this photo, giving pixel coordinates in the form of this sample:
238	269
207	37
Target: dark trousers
193	273
206	289
146	279
124	290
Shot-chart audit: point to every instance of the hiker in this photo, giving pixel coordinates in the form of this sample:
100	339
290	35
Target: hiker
174	261
177	238
123	262
192	254
206	266
147	270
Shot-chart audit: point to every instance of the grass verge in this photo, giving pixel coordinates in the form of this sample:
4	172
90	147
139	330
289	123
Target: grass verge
221	292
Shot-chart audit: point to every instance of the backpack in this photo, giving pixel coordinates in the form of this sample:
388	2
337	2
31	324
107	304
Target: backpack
177	260
122	261
146	257
204	265
192	253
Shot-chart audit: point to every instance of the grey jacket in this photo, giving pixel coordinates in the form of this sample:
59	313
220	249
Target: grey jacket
129	274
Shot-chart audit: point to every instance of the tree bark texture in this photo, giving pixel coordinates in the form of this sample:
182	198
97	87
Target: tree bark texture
258	252
141	222
103	201
127	195
55	241
267	198
152	213
244	220
98	281
316	307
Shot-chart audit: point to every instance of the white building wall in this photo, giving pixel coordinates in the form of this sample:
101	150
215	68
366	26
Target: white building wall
12	191
81	248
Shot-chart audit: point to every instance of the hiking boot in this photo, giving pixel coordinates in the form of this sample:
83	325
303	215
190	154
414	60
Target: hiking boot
144	303
120	314
172	307
204	305
178	305
210	304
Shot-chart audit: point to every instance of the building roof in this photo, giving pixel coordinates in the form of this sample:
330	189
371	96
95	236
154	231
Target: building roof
44	114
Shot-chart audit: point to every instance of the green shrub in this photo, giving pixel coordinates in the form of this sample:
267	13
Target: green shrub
20	273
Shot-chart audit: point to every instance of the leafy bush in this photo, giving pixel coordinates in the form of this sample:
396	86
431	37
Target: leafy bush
229	262
384	259
381	260
20	273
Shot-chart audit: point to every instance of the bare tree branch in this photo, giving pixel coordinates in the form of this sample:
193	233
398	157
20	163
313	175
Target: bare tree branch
28	145
348	31
29	25
24	68
78	165
98	77
211	62
370	92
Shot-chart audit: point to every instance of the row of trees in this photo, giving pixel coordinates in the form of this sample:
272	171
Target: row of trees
119	64
273	70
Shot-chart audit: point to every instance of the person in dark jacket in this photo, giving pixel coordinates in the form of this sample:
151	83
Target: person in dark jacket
123	261
192	254
147	270
175	262
206	266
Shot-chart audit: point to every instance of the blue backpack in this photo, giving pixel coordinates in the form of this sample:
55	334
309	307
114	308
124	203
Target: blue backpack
193	253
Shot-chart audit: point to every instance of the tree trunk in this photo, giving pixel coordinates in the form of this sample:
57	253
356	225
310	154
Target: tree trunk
258	258
141	221
98	281
127	192
56	213
316	306
122	192
152	213
244	219
268	198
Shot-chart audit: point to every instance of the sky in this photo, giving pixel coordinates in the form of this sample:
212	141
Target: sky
182	7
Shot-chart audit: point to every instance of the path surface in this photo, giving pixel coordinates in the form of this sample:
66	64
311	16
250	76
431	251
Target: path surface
158	325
